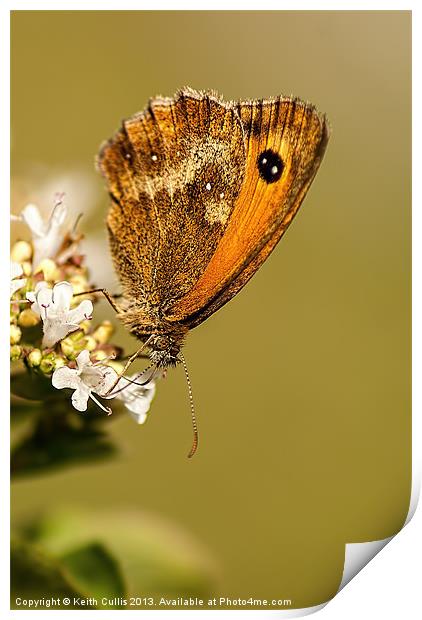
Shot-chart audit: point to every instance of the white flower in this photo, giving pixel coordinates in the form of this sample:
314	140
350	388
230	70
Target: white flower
53	306
136	398
47	237
86	379
15	272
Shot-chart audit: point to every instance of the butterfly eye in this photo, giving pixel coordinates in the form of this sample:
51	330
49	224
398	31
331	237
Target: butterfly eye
270	166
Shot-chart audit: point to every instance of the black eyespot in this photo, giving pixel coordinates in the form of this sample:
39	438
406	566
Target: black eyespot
270	166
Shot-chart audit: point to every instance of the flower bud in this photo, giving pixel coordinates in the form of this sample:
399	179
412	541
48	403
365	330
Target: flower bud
80	284
90	343
27	267
28	318
34	358
15	334
47	364
58	362
103	332
15	352
99	355
76	336
21	251
68	348
14	312
49	269
85	326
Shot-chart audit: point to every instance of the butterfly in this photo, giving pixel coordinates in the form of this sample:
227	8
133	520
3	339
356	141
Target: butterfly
201	192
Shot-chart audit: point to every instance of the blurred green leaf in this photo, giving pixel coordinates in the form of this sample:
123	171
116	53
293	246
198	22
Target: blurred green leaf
155	557
52	443
22	410
32	386
51	433
95	570
36	574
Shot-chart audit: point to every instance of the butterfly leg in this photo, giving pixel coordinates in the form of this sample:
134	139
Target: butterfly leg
131	359
106	294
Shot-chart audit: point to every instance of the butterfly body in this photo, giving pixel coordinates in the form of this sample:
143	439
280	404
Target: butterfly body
202	190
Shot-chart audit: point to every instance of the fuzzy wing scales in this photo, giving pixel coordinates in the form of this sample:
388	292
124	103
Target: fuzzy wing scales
173	173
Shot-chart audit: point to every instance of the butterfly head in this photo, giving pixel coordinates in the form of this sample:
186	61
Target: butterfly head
165	349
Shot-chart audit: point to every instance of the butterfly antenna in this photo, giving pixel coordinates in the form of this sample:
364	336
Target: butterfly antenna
192	409
134	382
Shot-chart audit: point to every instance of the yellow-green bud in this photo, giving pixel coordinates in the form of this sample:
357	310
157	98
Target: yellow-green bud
80	284
103	332
59	362
14	312
27	267
28	318
67	346
15	334
47	365
84	325
15	352
21	251
76	336
49	269
90	343
34	358
99	355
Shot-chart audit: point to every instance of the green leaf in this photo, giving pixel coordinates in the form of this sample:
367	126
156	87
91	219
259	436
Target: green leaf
35	574
52	443
22	410
155	557
95	570
32	386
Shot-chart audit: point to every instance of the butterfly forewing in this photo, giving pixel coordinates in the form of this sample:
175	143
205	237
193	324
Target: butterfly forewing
285	141
174	173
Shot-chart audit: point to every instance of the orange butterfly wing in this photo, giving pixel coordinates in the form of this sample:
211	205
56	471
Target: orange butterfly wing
173	172
285	142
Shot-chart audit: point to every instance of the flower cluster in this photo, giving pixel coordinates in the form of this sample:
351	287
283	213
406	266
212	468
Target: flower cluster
51	327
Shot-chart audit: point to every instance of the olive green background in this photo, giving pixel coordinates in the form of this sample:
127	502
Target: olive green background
302	382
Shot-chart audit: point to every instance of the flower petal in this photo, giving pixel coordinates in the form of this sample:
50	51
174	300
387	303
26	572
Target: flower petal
58	216
137	399
65	377
15	270
92	376
83	359
139	418
55	330
138	405
81	312
40	285
33	295
109	377
32	218
80	397
15	285
62	296
44	296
